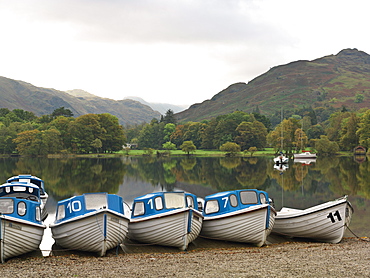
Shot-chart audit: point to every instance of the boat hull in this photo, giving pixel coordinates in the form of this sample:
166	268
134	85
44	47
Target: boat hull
19	237
175	228
305	155
325	223
94	232
247	225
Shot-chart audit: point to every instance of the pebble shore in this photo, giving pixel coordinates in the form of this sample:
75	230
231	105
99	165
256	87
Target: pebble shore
350	258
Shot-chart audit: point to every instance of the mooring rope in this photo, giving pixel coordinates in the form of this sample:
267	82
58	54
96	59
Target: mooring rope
360	238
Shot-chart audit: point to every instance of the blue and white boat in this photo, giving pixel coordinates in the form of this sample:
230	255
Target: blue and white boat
166	218
245	215
24	190
92	222
35	180
21	226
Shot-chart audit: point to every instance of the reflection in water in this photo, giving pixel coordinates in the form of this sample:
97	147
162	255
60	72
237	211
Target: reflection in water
301	185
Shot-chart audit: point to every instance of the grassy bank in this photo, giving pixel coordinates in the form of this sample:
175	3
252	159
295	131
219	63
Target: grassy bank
198	153
267	151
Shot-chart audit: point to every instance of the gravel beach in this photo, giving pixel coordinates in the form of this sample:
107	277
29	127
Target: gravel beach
350	258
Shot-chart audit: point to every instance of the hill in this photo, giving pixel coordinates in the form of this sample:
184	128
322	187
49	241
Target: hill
41	101
334	80
160	107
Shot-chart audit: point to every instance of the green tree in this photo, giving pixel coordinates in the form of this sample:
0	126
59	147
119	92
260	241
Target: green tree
263	119
335	125
300	139
315	131
62	112
51	141
188	147
208	134
193	132
251	134
7	134
359	98
151	136
169	146
83	131
230	148
282	137
349	138
29	142
169	117
363	131
4	112
252	150
112	135
23	115
177	137
326	147
97	144
168	130
62	124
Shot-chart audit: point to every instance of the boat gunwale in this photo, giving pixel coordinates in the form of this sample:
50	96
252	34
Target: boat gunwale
87	215
165	214
310	210
240	211
21	221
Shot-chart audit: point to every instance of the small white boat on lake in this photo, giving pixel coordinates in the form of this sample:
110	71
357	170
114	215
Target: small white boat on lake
305	161
304	155
325	222
245	215
93	222
281	159
21	226
166	218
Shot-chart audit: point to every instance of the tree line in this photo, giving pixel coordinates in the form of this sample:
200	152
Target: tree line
24	133
300	129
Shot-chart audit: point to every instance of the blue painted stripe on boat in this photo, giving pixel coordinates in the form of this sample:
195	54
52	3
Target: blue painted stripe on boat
189	220
105	226
268	217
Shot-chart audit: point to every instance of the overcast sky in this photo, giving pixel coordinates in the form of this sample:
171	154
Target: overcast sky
179	52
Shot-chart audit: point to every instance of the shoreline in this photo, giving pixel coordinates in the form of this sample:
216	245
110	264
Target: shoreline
349	258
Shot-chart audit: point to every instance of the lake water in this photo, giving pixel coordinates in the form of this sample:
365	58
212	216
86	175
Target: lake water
301	185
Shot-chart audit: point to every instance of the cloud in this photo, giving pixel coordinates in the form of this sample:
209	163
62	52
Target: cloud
144	21
182	51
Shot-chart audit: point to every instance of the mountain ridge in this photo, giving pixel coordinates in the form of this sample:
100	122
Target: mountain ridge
330	80
42	101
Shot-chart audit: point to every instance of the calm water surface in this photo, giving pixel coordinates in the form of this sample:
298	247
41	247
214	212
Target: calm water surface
299	186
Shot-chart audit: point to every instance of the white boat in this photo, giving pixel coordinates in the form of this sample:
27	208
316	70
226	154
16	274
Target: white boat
304	155
241	215
325	222
281	159
305	161
93	222
21	227
166	218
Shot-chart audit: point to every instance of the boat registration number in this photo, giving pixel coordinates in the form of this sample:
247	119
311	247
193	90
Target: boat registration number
14	226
